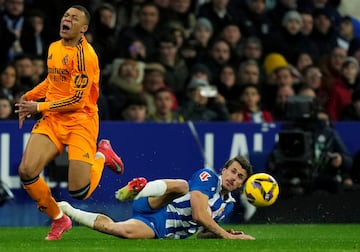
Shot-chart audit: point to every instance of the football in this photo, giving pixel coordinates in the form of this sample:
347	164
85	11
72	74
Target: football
261	190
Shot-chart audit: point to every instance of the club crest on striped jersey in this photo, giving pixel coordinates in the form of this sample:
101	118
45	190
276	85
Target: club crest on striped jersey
204	176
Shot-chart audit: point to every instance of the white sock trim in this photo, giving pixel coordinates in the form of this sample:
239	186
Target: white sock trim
59	215
99	155
153	189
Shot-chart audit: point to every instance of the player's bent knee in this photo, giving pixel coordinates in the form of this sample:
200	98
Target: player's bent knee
25	173
22	173
80	194
29	169
177	186
182	186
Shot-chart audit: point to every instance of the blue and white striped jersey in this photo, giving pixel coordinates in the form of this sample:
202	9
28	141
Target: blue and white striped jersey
179	223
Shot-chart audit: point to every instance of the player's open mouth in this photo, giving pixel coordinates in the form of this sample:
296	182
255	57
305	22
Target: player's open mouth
65	27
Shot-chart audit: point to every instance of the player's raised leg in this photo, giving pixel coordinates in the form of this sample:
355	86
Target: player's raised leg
112	160
160	192
84	175
175	188
135	186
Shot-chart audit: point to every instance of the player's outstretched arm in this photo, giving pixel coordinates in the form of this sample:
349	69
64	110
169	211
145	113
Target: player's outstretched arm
206	234
199	206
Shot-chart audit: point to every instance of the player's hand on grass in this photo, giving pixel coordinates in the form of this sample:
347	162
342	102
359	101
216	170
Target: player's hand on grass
231	234
232	231
239	235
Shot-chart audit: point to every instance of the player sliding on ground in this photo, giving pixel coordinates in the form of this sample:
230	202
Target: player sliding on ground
174	208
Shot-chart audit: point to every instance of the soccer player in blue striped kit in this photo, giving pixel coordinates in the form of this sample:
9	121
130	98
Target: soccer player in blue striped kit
174	208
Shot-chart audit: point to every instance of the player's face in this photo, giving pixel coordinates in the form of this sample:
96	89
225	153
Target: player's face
73	24
233	177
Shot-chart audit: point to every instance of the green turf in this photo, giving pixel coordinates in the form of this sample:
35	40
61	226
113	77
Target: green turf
271	237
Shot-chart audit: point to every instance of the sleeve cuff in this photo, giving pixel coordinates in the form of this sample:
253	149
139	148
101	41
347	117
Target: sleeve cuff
43	106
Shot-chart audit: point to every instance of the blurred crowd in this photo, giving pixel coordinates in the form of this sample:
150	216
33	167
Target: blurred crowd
204	60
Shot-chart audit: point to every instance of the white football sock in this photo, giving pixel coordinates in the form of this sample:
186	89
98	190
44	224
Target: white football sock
153	189
83	217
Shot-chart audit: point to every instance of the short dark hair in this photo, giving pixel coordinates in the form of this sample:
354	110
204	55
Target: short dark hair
83	9
244	162
135	100
3	97
250	85
148	4
23	56
168	38
163	89
308	68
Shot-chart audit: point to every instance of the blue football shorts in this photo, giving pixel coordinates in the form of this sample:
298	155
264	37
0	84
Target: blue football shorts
155	219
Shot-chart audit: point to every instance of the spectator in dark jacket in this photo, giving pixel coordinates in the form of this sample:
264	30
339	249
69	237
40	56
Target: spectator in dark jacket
227	84
324	34
197	45
104	34
289	41
218	13
176	71
147	30
255	20
220	54
281	7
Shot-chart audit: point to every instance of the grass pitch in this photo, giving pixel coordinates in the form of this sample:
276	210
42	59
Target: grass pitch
269	237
